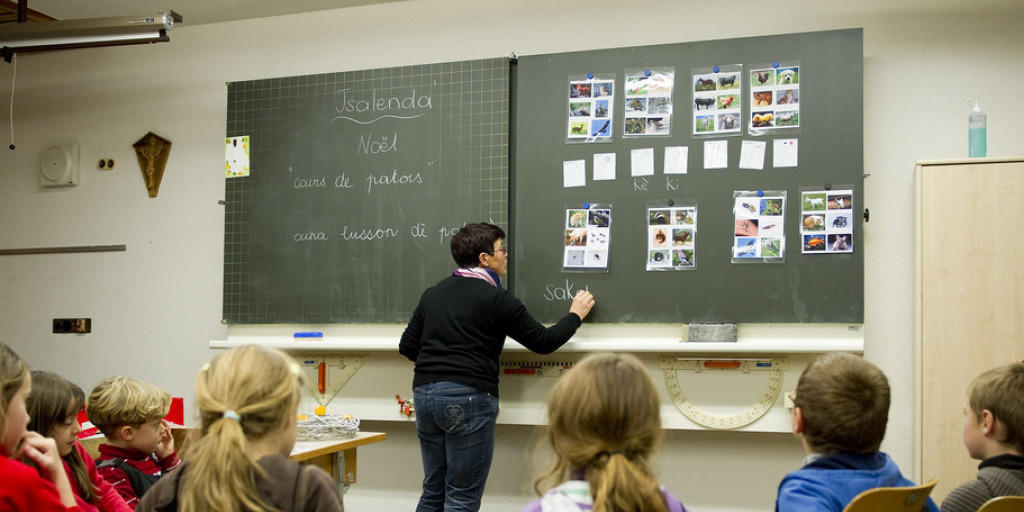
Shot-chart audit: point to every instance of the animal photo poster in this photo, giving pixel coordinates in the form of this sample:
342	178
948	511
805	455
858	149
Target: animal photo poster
826	221
672	237
758	228
717	98
648	102
587	238
590	109
774	97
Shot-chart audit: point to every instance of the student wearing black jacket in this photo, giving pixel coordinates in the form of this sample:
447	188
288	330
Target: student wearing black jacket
455	337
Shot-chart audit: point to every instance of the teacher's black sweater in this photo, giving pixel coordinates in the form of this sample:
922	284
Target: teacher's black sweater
458	331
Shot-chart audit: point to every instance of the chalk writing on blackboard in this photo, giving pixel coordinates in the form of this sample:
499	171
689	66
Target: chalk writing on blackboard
557	292
380	104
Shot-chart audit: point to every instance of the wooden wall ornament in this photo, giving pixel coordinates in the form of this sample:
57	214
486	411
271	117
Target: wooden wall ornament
152	151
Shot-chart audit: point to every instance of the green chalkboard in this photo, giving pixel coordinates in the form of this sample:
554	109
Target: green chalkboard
358	180
804	288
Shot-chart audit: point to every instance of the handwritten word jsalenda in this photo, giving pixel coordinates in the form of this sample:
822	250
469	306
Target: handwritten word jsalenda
380	106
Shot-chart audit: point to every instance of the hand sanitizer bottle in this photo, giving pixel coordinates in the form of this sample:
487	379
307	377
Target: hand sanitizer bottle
976	131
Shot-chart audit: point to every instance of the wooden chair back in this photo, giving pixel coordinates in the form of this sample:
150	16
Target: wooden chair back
1003	504
892	499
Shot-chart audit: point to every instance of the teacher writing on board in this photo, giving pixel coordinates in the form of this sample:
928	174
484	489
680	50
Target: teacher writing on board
455	337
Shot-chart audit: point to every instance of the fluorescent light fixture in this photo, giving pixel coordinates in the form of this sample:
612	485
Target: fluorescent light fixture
87	33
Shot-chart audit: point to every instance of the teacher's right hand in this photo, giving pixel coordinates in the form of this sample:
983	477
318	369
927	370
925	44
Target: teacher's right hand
582	303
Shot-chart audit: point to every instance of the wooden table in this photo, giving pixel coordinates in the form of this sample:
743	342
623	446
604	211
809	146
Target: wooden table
337	457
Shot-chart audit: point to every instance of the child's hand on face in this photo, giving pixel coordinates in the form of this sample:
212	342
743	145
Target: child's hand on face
166	445
43	452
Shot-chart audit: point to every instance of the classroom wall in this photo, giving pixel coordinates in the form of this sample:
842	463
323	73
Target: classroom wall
156	306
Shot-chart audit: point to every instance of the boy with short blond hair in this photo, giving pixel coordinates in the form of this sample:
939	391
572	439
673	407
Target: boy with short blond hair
139	446
994	434
840	411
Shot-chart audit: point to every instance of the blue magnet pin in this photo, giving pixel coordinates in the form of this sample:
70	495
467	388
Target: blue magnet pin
760	193
586	206
647	72
590	76
775	64
310	334
716	69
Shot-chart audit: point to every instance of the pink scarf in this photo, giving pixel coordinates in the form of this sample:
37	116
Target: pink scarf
476	273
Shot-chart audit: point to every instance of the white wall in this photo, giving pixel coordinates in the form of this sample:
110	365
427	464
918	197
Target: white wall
155	307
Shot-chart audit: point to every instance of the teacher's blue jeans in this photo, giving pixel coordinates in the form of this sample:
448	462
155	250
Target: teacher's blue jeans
455	424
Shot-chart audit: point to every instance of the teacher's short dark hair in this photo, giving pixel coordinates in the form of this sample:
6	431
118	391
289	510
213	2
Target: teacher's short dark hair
472	240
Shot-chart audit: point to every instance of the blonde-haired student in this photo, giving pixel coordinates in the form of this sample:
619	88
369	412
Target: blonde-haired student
994	434
53	407
248	401
840	411
604	426
21	486
139	448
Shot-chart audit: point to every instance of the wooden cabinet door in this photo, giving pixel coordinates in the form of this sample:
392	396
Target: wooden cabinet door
970	297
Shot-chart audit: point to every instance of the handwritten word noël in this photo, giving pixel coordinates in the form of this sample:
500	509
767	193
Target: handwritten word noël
369	146
391	179
552	293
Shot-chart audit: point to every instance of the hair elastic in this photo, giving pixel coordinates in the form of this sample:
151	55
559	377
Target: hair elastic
606	455
230	413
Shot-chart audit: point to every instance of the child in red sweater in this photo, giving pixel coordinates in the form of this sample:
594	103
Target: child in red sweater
139	448
53	407
21	487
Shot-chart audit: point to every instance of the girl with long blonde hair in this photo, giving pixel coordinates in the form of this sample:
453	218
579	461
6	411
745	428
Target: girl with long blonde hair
604	425
248	401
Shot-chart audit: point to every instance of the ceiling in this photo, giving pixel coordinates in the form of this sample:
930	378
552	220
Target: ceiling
193	12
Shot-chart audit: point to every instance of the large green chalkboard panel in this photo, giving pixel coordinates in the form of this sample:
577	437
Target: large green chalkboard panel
358	180
802	289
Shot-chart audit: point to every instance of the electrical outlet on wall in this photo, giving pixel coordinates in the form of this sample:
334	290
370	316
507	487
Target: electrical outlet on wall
72	325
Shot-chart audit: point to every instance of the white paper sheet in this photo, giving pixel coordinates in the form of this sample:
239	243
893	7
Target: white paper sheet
784	153
716	154
641	162
574	173
752	154
604	166
676	159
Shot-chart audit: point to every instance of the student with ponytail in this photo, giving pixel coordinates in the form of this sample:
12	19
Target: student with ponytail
248	401
53	408
604	425
22	487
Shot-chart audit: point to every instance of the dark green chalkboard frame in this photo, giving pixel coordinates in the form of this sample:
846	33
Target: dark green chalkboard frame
805	288
306	135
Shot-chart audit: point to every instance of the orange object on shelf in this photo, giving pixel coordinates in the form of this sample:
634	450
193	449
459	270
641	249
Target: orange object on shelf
722	364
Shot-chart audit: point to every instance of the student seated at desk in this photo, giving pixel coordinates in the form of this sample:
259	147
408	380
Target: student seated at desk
21	487
994	434
53	408
604	425
139	447
840	411
248	401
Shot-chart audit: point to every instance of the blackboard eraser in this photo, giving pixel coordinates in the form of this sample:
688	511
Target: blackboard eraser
709	333
311	334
